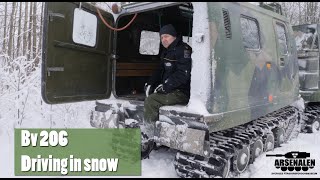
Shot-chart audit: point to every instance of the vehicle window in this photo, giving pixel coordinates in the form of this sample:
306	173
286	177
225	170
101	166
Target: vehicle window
149	43
250	33
282	38
84	28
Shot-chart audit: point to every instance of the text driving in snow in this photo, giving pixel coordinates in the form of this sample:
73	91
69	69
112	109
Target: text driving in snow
77	152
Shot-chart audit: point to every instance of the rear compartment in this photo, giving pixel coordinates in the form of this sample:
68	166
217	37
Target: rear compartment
138	47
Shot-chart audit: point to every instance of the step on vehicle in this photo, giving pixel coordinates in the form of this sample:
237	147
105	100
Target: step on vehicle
244	77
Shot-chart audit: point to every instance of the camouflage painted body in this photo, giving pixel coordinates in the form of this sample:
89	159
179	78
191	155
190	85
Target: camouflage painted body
306	37
245	88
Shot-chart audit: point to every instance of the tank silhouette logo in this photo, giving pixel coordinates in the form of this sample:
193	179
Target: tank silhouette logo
293	160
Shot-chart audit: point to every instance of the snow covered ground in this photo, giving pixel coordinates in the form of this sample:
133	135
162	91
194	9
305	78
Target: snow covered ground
160	163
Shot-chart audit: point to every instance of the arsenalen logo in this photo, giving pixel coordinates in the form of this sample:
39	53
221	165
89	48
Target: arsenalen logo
294	160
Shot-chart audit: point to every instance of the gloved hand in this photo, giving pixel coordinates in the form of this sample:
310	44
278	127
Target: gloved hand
147	89
160	89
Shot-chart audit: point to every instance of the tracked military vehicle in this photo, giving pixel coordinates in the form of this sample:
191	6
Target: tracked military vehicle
244	78
306	38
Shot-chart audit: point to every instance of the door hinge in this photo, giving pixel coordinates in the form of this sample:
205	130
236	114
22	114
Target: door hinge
54	69
52	15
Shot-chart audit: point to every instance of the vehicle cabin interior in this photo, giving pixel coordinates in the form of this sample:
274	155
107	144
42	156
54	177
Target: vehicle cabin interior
138	46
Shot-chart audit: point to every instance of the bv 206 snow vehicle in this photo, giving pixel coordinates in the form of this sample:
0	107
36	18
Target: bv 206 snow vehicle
244	78
307	43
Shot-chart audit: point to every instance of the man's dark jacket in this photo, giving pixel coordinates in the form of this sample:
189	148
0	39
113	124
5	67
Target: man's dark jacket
175	68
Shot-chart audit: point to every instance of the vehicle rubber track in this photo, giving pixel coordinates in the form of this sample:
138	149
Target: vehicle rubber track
233	149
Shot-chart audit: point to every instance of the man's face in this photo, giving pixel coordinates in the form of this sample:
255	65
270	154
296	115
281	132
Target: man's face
167	39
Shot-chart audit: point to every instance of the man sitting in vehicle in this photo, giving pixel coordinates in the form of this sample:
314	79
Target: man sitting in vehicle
170	83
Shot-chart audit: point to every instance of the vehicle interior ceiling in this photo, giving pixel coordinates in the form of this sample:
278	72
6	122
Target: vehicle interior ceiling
134	69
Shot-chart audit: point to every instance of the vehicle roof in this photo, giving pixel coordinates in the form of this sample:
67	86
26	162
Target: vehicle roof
245	4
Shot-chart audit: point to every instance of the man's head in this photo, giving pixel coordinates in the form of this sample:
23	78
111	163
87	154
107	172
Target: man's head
167	35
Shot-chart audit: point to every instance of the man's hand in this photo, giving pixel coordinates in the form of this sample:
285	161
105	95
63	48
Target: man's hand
147	88
160	89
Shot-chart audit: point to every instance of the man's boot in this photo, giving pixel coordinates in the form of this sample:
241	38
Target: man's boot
147	139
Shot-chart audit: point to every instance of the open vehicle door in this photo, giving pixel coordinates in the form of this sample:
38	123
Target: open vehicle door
76	53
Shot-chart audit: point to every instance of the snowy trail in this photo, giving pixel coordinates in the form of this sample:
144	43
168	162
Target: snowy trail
160	164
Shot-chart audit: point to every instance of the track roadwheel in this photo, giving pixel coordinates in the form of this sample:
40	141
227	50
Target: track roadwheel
226	169
315	125
241	159
256	150
268	142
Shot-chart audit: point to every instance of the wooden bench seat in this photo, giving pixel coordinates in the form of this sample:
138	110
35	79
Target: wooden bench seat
135	69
